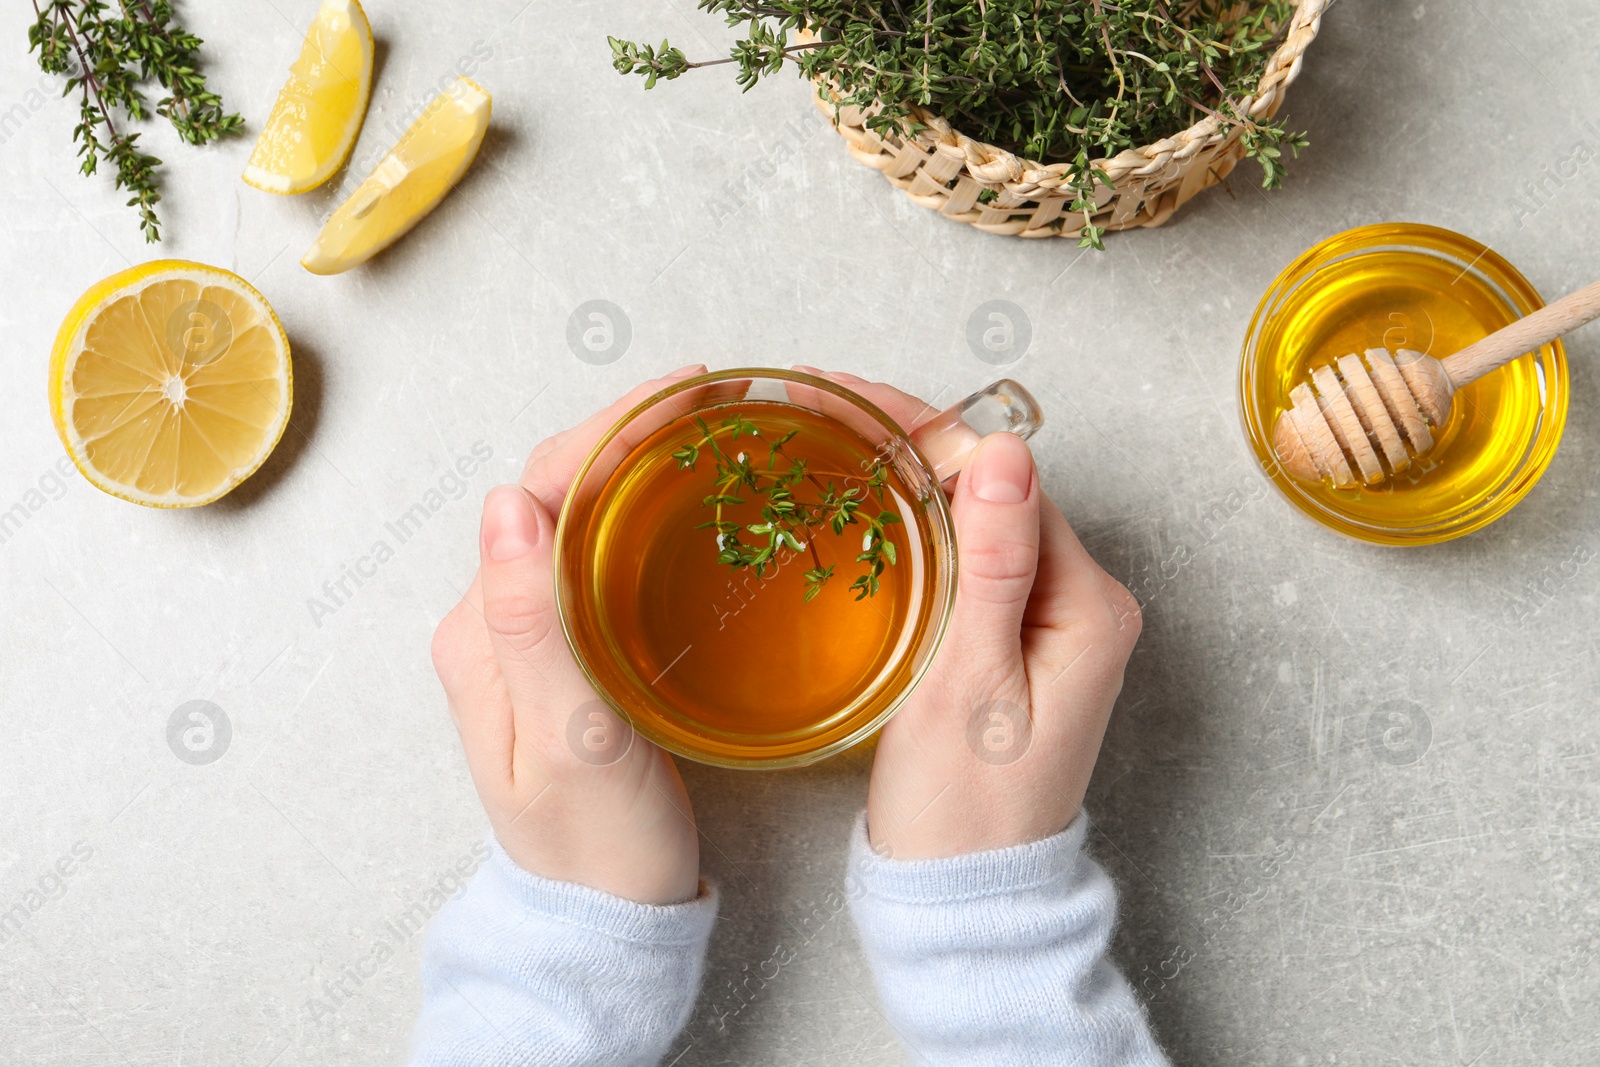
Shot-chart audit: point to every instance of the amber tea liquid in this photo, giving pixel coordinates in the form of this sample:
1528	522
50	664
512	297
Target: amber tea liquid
720	660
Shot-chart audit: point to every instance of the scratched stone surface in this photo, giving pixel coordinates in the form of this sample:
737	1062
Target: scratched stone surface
1349	793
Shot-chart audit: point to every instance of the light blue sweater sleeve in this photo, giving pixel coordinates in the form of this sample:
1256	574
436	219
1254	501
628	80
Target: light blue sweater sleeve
528	971
999	958
996	958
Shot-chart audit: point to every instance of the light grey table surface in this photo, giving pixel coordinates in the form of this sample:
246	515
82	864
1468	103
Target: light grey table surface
1293	893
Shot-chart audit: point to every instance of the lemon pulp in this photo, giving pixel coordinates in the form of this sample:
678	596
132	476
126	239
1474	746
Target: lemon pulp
318	114
408	183
170	383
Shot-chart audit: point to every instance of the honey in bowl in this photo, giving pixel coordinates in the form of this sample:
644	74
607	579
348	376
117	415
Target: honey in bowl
1402	286
737	665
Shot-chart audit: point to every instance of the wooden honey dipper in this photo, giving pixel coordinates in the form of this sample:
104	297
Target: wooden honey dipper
1365	421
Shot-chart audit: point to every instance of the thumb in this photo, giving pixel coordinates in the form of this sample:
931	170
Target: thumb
518	594
996	512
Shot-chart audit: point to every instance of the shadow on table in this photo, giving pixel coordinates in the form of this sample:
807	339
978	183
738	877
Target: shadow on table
784	980
304	414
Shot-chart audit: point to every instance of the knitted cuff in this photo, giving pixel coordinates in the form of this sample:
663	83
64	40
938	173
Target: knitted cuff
602	913
998	872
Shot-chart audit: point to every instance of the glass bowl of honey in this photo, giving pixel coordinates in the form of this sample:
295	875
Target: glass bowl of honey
755	567
1408	286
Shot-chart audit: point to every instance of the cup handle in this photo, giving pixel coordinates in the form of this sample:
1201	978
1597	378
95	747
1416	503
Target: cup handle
947	439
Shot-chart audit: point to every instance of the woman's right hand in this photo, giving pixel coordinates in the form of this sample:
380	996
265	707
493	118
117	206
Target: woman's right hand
997	744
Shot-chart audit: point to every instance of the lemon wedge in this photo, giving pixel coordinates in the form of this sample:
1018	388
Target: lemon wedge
314	124
409	182
170	383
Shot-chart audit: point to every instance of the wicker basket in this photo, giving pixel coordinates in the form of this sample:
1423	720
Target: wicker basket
945	170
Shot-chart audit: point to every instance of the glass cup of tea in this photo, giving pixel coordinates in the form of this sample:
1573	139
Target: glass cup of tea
755	567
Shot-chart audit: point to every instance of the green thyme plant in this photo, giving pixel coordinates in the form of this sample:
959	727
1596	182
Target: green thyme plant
788	520
106	55
1057	81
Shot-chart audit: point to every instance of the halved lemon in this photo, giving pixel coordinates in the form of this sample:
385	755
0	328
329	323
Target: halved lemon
170	383
419	170
314	124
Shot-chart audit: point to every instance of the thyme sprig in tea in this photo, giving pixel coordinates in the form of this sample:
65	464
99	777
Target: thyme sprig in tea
788	519
1058	81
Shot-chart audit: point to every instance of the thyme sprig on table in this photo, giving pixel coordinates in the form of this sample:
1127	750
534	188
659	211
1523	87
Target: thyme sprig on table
1057	81
106	55
787	519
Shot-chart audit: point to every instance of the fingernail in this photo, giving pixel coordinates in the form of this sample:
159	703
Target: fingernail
510	528
834	375
689	371
1001	470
